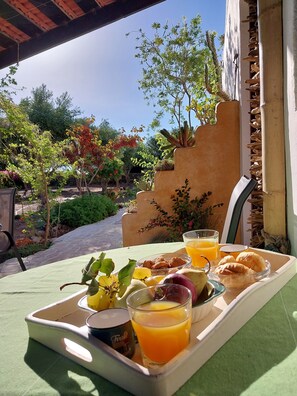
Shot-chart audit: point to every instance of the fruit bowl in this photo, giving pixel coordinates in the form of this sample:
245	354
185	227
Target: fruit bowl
240	281
206	300
83	304
165	263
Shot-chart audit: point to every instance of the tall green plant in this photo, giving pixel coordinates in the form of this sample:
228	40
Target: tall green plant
112	169
8	81
147	161
30	153
49	113
174	75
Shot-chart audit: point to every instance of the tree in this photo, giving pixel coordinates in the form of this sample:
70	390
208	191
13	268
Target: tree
153	146
30	153
8	81
6	84
88	155
107	132
146	159
55	115
111	169
127	155
174	76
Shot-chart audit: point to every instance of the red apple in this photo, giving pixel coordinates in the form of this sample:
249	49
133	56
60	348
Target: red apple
179	279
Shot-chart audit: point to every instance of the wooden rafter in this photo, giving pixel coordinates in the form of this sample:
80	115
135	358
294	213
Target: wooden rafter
70	8
32	13
28	27
12	32
103	3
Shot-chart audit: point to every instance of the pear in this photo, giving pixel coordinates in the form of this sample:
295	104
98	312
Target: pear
120	302
197	276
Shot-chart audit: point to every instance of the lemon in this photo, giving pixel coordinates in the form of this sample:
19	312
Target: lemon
141	273
99	301
154	280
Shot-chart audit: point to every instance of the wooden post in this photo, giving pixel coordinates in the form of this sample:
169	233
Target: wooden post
271	103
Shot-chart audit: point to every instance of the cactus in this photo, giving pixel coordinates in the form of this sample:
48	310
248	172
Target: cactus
185	137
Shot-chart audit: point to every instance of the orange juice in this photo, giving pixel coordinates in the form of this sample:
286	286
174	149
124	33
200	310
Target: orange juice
197	248
162	334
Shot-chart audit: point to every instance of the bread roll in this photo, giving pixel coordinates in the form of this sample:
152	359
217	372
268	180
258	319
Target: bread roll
233	269
227	259
252	260
235	275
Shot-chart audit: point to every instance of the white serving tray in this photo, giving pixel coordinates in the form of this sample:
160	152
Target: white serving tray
61	327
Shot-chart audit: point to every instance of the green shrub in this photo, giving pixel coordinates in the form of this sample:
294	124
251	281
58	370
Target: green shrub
83	210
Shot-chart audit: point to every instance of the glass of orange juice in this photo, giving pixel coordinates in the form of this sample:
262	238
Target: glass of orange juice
161	318
200	244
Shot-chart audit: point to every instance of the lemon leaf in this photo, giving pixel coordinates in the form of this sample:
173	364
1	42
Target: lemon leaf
125	276
93	287
91	270
107	266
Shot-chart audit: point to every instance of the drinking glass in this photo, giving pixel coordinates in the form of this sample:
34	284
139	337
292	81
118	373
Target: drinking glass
161	318
200	243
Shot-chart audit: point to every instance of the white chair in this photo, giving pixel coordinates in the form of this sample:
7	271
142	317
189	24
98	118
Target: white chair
239	195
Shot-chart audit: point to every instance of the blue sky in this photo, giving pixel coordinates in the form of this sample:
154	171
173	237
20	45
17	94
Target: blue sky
99	70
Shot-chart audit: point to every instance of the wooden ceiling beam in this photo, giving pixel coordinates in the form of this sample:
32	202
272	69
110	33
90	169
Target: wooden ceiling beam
33	14
103	3
70	8
95	18
12	32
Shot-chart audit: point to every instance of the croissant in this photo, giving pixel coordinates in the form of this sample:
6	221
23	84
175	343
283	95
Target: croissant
233	269
252	260
227	259
235	275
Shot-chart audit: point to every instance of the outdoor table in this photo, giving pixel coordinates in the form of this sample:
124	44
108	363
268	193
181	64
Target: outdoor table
260	359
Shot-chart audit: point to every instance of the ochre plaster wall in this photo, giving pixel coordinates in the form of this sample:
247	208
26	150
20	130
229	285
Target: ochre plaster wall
212	165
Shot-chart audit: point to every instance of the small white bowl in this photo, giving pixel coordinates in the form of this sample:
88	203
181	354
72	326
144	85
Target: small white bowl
208	296
83	304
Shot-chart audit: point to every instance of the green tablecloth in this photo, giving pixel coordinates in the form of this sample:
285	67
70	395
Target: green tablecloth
261	359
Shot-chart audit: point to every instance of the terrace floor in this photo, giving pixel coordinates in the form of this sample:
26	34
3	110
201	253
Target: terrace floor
103	235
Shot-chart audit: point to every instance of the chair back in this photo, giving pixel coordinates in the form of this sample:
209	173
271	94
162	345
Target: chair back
7	203
239	195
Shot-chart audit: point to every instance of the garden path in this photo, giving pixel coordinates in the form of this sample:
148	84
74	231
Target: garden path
103	235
